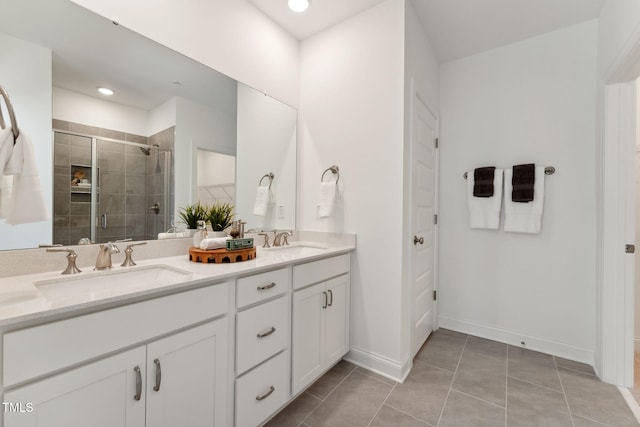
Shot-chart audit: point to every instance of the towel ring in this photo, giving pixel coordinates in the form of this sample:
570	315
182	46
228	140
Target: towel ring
12	116
270	176
549	170
334	170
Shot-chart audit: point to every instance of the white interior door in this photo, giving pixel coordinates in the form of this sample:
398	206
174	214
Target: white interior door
423	224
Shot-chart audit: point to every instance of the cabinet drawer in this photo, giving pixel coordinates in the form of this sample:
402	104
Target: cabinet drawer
261	332
36	351
262	391
318	271
262	286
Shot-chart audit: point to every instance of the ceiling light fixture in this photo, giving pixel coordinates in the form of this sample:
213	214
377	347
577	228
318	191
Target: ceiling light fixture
298	5
105	91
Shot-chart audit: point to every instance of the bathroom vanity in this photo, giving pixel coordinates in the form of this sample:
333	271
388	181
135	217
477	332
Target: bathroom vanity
214	344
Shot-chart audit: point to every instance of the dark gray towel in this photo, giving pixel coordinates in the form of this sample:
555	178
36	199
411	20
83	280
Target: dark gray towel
483	181
523	180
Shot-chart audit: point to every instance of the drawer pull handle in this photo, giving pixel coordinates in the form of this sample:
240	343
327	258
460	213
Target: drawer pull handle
138	383
158	375
266	394
267	333
324	294
265	287
330	297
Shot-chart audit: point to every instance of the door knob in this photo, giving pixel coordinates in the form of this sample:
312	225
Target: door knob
417	240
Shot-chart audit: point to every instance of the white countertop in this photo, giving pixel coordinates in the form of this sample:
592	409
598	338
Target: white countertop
21	300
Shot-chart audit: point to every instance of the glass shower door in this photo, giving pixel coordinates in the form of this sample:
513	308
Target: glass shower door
122	206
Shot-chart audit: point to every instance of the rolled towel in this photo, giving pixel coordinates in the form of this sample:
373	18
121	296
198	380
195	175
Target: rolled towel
483	181
523	180
327	198
263	197
214	243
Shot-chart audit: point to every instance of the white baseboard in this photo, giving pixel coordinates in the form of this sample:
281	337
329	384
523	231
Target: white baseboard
516	339
388	368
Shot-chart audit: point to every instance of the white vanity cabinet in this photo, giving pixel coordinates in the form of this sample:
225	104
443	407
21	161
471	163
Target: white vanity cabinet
320	322
83	379
262	345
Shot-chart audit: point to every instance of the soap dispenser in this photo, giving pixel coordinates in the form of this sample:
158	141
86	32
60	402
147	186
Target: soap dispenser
201	233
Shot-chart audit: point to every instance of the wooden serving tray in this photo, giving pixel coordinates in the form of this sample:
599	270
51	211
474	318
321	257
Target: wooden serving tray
221	256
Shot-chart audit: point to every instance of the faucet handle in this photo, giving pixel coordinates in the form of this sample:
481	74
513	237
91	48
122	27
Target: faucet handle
128	261
266	240
72	256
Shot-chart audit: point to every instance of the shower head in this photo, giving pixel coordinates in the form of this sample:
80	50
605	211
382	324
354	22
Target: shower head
147	151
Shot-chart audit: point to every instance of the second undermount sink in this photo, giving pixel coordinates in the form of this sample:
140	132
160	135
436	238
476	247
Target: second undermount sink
104	284
298	249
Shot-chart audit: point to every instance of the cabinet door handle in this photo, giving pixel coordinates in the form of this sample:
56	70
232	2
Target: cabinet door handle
267	332
266	393
138	383
158	375
325	299
265	287
330	298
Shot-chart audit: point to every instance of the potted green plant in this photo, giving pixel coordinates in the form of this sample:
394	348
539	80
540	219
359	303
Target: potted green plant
191	214
220	216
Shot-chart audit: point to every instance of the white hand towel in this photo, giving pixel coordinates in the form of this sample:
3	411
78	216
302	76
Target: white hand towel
6	147
327	198
263	197
214	243
27	201
484	212
524	217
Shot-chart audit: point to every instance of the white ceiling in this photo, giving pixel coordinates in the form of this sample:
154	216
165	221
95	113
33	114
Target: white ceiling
456	28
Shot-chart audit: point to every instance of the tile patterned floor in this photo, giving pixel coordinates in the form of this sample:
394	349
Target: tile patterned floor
459	380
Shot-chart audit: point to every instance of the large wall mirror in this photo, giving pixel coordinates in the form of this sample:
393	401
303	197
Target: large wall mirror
121	166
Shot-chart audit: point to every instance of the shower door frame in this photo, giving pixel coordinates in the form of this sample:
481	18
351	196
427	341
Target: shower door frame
93	220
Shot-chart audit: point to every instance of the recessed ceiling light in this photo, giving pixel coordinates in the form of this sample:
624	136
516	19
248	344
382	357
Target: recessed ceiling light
105	91
298	5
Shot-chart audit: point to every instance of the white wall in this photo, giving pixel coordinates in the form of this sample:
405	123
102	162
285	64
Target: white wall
532	101
619	27
232	37
25	73
198	126
351	115
79	108
266	144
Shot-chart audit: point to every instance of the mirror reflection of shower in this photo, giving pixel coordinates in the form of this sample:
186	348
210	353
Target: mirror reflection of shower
147	151
103	187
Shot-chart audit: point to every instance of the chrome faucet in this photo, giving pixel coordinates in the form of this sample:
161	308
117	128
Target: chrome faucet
281	239
128	261
104	256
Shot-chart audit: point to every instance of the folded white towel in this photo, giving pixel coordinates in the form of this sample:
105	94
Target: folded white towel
263	198
524	217
27	201
214	243
484	212
328	191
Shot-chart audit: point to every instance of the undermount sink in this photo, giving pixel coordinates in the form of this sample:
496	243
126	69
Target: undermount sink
298	249
104	284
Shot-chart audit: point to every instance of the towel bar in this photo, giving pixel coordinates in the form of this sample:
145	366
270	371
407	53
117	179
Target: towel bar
549	170
12	116
269	175
334	170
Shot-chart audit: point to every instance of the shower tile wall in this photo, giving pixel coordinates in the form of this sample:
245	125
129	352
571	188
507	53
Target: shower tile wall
71	216
123	184
155	182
